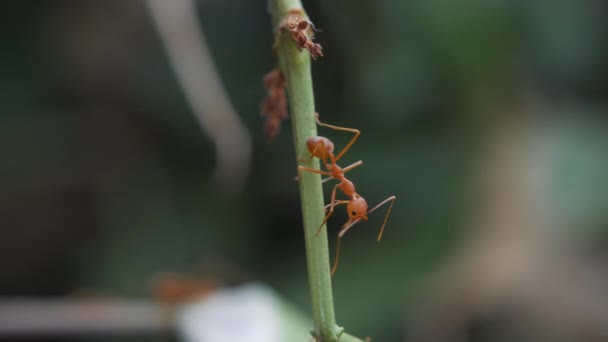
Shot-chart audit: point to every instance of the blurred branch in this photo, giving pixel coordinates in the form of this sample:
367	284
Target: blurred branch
295	66
184	40
35	316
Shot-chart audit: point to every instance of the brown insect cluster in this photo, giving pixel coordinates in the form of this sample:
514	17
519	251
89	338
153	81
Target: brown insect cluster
274	106
299	30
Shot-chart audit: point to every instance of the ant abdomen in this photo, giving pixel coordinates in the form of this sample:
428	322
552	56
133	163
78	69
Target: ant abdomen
320	147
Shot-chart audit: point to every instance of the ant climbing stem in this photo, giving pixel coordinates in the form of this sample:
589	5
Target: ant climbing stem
356	205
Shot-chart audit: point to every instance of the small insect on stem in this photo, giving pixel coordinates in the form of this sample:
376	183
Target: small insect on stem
274	105
356	206
300	31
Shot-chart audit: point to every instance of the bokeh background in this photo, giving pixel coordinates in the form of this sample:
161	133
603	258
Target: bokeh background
487	120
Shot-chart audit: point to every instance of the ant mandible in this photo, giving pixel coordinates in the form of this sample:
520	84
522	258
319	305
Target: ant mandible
357	207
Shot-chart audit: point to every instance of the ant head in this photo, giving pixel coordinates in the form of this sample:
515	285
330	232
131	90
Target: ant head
357	208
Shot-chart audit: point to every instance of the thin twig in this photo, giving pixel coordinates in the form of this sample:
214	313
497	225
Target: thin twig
36	316
295	65
186	46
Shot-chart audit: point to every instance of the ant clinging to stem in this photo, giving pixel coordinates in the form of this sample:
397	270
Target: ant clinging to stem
356	206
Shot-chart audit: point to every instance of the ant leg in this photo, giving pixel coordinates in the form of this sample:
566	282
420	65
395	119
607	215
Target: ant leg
344	170
392	200
324	180
352	166
331	211
332	202
310	169
331	208
337	260
338	202
346	227
338	128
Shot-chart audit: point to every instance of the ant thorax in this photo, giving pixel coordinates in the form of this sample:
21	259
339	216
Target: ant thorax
336	171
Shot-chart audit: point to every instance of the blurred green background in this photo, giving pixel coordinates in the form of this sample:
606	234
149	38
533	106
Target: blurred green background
105	171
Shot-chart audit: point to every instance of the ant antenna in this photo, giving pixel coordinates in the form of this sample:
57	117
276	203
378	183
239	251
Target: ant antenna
313	26
346	227
392	200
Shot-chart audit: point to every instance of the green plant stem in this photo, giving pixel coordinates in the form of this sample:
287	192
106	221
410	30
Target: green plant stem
295	66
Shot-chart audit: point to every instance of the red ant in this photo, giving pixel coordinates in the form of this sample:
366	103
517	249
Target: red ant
356	205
